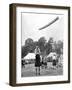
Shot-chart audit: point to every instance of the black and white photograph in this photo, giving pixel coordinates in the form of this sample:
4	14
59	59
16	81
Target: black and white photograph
42	44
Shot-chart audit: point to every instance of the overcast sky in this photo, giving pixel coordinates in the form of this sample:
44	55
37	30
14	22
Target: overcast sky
31	23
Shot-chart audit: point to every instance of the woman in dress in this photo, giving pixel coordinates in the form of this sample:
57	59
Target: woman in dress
37	60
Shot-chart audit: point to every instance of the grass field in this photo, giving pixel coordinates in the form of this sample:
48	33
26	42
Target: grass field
29	70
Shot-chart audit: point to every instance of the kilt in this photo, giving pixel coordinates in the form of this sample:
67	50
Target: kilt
37	61
54	62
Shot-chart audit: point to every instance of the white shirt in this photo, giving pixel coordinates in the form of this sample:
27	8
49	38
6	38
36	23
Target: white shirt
37	51
54	57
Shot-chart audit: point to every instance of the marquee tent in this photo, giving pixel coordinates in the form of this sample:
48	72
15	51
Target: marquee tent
52	54
30	56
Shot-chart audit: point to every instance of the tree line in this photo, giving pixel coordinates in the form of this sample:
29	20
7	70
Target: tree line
45	46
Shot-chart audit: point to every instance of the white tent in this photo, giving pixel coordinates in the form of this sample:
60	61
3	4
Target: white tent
30	56
52	54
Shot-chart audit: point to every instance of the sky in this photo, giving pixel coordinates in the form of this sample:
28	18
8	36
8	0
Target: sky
31	22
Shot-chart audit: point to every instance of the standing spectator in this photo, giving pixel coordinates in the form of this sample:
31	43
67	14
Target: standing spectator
60	64
23	63
45	62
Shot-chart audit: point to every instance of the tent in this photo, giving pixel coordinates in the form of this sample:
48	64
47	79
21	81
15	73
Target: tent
52	54
30	56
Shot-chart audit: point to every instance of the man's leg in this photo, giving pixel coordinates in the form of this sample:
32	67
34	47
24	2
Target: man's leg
36	71
39	70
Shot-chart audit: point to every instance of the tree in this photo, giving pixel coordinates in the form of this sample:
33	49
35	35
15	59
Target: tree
28	47
60	44
48	46
41	43
50	40
28	42
59	48
24	50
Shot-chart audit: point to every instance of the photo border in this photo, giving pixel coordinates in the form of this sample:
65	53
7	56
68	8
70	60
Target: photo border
12	62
